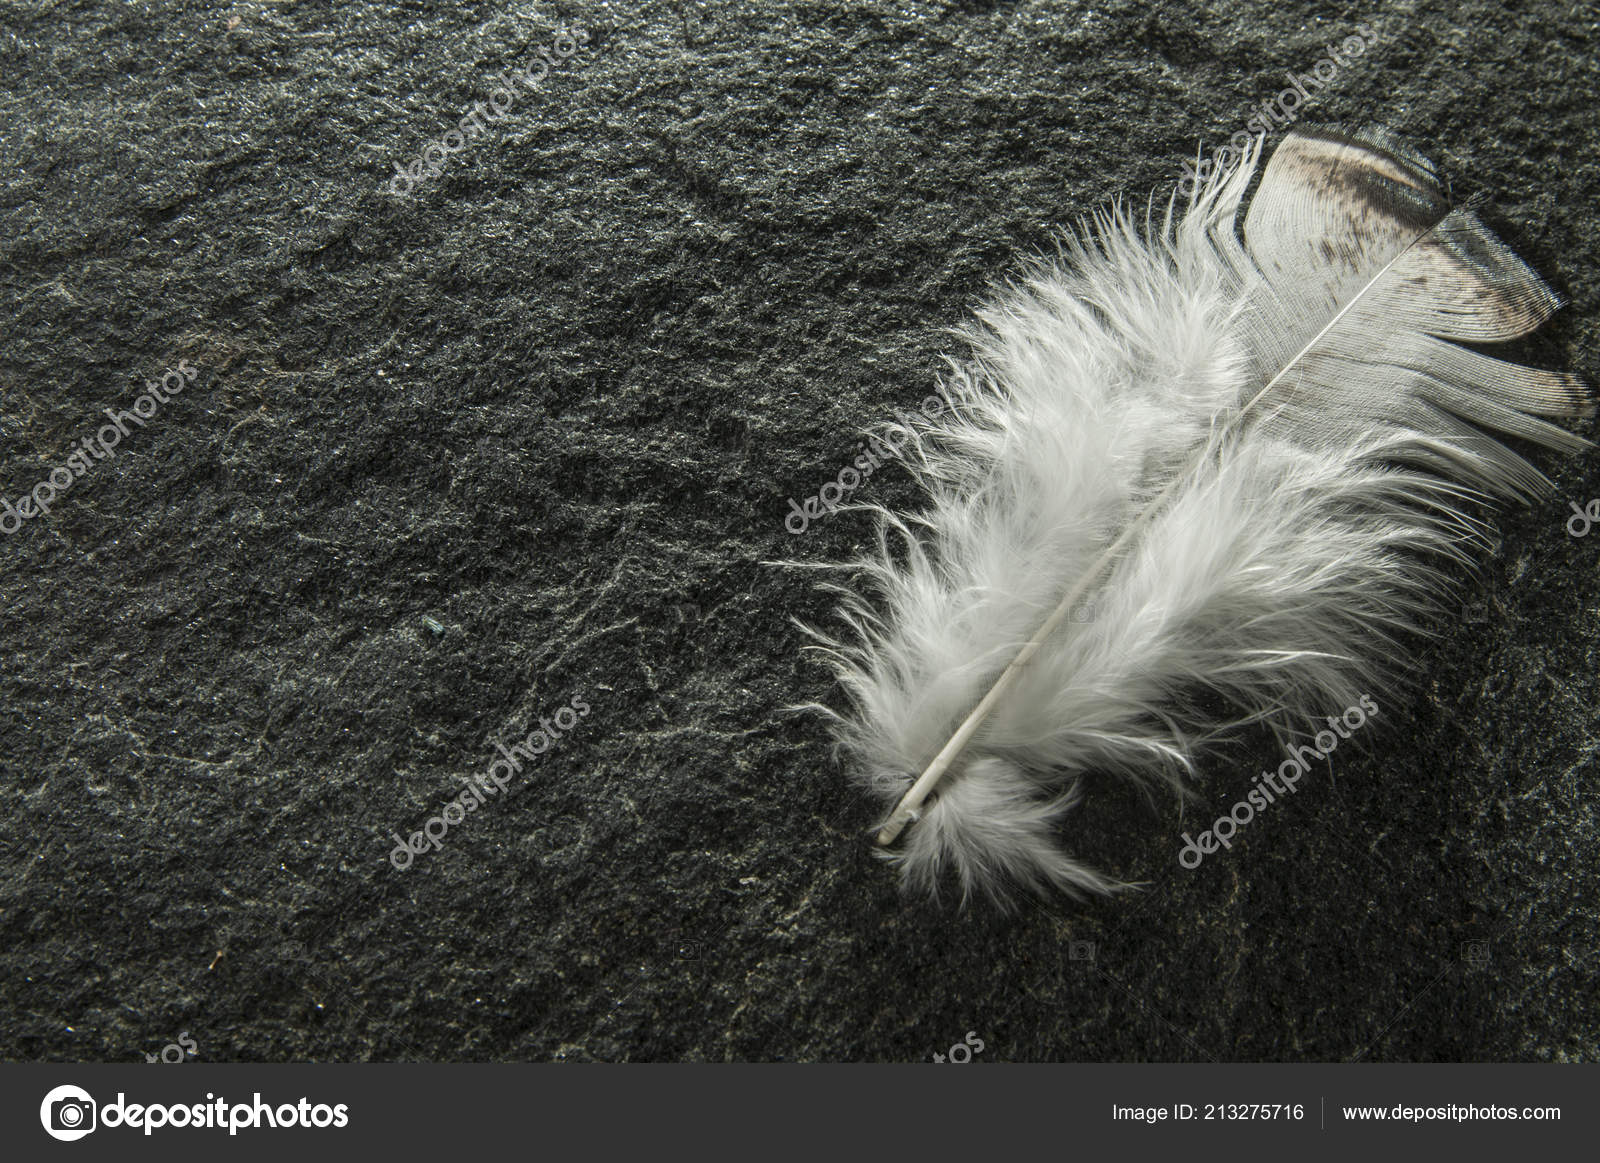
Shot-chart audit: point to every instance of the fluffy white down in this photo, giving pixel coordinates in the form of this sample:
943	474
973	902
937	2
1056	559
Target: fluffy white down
1278	577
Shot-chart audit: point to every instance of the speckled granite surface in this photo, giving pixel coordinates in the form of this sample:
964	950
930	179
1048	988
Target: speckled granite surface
454	459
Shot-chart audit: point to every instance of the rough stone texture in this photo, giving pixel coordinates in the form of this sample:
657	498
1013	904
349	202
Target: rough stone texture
451	460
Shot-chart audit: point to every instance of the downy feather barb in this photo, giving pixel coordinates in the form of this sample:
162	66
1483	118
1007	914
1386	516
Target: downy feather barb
1184	468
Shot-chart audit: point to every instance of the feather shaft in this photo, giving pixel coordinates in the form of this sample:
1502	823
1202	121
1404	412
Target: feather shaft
906	810
1252	457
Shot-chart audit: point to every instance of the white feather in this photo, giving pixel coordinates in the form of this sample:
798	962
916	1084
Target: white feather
1276	438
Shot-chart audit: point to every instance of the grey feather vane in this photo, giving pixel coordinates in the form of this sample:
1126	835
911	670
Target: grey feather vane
1185	469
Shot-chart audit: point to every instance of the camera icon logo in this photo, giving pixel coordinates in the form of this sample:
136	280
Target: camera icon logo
1080	951
67	1113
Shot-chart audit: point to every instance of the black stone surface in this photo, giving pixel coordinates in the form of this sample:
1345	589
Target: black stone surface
452	459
